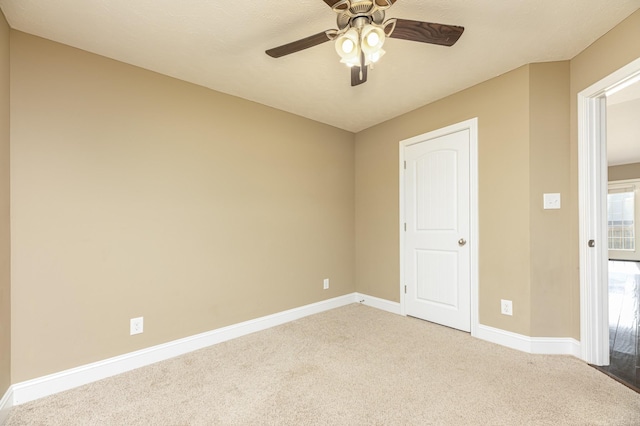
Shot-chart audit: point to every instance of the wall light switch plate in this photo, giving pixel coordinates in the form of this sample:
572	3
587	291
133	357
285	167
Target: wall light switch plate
551	201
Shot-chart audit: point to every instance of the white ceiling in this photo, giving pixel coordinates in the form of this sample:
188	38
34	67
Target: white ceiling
221	44
623	126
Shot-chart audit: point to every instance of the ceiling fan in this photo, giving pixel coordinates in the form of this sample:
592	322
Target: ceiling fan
362	31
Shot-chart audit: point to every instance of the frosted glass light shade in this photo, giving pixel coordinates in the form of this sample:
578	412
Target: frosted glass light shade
347	46
373	38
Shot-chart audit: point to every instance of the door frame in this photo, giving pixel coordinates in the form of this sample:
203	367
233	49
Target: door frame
472	126
592	192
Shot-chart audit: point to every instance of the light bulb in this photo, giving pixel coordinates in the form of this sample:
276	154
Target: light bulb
375	56
347	46
373	39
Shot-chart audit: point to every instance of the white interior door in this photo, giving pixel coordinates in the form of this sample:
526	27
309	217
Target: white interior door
437	216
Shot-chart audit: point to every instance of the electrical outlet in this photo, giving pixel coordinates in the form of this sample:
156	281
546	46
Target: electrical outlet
506	307
325	284
136	325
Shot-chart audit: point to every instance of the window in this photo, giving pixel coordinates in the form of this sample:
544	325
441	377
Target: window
620	218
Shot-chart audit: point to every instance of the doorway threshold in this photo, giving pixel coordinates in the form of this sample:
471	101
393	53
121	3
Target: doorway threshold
618	379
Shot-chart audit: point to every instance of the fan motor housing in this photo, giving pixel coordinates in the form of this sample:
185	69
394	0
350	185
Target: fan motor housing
358	9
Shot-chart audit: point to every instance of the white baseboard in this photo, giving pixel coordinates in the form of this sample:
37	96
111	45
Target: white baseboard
48	385
30	390
6	403
555	346
533	345
375	302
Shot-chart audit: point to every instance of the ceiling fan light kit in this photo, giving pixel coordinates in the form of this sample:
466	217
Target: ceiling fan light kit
362	31
363	40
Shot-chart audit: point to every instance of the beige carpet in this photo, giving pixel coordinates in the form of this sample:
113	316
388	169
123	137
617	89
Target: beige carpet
350	366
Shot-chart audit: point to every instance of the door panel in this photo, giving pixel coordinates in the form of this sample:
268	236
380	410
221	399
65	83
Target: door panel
437	277
436	185
437	256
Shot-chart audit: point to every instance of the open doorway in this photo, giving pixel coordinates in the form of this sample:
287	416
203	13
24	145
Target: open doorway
593	230
623	237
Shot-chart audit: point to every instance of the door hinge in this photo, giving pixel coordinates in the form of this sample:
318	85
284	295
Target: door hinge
405	227
405	289
405	165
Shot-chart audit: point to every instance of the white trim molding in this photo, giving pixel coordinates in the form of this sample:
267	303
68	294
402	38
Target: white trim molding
6	404
592	183
30	390
532	345
382	304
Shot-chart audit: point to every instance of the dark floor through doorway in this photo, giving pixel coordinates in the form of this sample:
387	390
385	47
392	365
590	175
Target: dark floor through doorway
624	322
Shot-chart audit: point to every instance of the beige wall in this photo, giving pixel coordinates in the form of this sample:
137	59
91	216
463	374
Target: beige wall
528	146
523	152
624	171
502	108
5	257
137	194
611	52
550	229
134	194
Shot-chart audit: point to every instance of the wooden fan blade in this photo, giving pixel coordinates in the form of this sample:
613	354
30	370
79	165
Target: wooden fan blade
427	32
332	3
298	45
355	75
